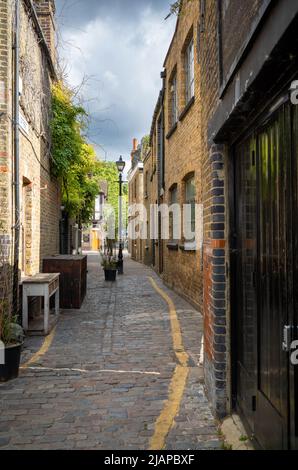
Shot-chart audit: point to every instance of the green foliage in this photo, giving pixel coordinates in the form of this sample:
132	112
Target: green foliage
66	126
107	171
7	319
175	7
8	328
73	159
109	262
81	186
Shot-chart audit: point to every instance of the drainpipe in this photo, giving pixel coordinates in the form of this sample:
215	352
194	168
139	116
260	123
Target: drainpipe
163	76
16	146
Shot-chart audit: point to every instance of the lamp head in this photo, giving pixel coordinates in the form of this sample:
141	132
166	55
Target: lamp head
120	164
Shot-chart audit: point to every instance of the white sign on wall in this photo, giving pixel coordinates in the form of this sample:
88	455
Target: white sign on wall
24	124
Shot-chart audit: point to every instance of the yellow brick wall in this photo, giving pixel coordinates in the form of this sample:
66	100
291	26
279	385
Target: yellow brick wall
39	193
135	191
183	153
150	251
5	118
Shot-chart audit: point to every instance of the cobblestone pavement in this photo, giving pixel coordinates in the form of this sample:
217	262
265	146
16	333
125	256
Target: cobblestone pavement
105	378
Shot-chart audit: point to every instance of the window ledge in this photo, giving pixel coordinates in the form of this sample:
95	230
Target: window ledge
187	108
171	131
172	246
188	246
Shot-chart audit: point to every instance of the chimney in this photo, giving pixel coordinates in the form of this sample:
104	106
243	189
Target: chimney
134	144
45	10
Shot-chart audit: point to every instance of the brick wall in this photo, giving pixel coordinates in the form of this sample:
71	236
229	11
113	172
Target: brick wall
150	247
183	153
135	191
215	227
6	271
45	10
39	193
5	115
147	174
42	220
234	13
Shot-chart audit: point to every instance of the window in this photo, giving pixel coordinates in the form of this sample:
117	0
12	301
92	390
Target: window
190	200
202	15
190	71
160	153
174	219
146	184
173	101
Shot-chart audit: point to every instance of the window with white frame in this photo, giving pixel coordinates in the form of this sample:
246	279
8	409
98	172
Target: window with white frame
174	219
146	184
190	71
190	200
173	101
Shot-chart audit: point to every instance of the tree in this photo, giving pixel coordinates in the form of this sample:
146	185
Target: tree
107	171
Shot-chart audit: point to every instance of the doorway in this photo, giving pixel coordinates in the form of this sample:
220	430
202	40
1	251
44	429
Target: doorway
265	278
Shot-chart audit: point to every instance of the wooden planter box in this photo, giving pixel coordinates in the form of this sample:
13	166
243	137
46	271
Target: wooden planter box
73	278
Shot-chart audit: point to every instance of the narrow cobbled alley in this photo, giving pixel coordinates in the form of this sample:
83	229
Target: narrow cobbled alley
121	373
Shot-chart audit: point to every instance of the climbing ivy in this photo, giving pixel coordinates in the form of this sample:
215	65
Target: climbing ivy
175	7
73	159
66	126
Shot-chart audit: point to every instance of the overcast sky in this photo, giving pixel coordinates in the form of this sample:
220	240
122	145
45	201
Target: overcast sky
120	45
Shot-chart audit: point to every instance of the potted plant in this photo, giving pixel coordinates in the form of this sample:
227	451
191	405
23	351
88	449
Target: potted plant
11	342
109	264
11	334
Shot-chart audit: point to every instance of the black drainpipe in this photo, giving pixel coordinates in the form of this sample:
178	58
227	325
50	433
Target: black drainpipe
16	145
163	76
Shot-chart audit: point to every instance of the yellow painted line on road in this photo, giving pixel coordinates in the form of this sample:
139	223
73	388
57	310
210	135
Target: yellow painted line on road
42	351
181	355
165	421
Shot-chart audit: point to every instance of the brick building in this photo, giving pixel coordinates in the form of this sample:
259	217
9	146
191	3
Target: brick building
148	175
152	182
226	119
182	161
248	59
135	197
27	48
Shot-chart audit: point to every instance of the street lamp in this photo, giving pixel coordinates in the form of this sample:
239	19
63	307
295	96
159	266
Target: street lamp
120	165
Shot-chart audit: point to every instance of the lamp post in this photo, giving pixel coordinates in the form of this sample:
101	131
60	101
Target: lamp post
120	165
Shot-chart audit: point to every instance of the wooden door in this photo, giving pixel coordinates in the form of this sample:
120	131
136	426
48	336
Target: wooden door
265	269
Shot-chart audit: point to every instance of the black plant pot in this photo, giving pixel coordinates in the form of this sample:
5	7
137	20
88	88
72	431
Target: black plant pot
10	369
110	274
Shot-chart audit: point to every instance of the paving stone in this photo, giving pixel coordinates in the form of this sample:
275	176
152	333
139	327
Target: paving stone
4	441
122	326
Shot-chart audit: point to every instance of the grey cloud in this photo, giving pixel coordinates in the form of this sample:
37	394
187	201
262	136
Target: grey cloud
76	13
121	44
